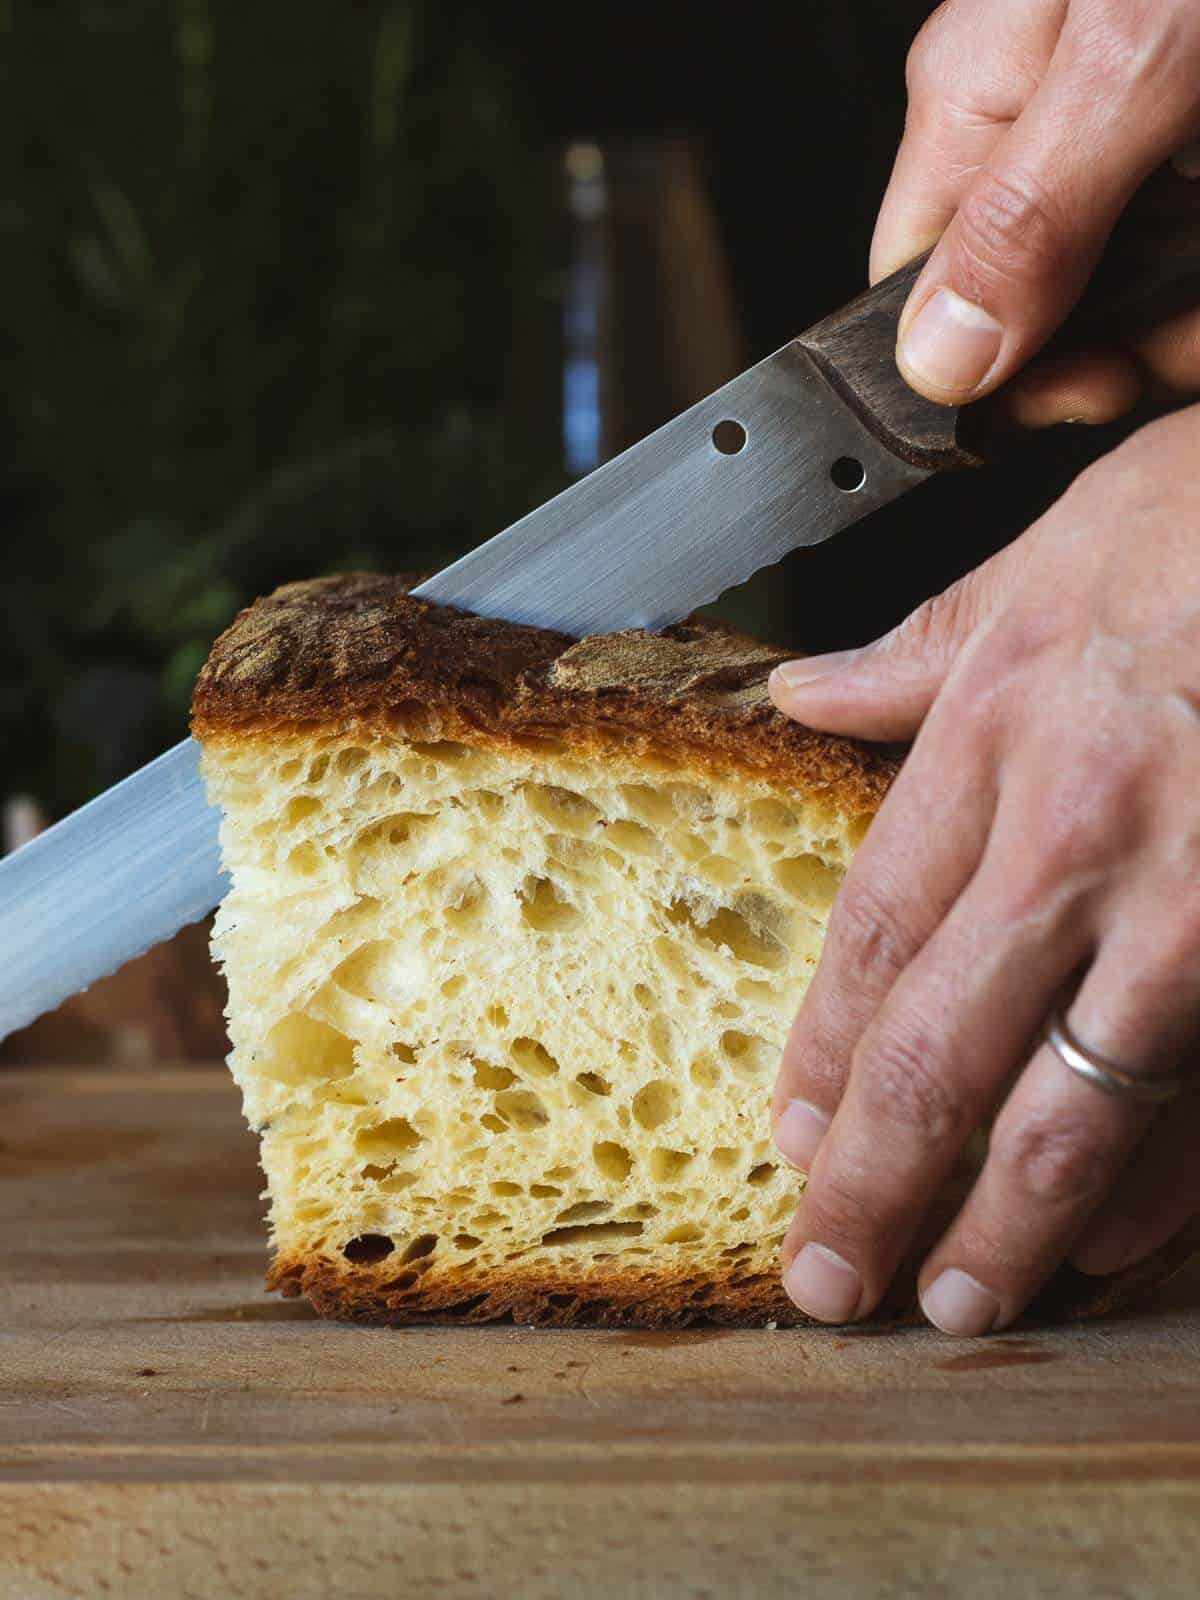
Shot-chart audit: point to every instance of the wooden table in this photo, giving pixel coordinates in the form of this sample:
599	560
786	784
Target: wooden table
168	1430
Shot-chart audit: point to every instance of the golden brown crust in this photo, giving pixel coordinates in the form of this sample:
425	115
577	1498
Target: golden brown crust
649	1298
536	1295
359	652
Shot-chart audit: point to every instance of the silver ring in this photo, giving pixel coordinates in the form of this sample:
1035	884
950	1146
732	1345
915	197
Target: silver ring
1104	1074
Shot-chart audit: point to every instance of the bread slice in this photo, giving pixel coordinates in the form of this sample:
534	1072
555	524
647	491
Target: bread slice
517	928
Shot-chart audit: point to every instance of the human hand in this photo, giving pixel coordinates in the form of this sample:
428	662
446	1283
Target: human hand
1042	833
1032	125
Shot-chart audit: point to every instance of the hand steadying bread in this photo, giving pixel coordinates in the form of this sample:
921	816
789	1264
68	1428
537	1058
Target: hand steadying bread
1039	851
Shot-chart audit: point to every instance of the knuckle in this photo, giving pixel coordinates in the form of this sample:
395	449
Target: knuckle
815	1055
1058	1162
1008	230
903	1082
866	935
838	1209
939	623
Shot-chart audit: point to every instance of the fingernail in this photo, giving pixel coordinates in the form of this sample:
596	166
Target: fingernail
956	1303
798	1131
950	344
1187	162
824	1285
1107	1247
795	674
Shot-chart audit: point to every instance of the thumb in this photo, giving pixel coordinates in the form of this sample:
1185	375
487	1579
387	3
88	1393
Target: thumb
1035	218
884	690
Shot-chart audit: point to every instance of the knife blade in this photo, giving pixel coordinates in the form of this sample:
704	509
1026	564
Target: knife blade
791	452
732	485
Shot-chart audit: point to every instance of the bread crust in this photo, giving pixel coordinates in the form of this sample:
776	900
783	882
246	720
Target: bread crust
360	653
725	1294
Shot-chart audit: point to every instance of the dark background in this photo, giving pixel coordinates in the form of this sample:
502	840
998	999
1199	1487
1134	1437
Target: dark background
282	292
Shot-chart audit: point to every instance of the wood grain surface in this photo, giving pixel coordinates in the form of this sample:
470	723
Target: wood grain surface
167	1429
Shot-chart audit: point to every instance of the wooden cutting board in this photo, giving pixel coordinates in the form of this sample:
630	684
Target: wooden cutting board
169	1430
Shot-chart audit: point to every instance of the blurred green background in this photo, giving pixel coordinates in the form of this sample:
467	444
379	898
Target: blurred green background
276	301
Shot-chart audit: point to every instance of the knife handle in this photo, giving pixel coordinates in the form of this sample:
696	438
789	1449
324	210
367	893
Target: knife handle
1143	275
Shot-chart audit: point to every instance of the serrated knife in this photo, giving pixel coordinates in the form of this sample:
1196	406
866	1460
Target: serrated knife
796	449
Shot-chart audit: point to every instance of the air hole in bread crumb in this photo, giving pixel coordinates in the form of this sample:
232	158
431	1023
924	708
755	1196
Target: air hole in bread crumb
763	1173
612	1160
561	808
544	1191
405	1053
685	1233
522	1108
299	1049
594	1083
453	986
647	804
350	760
705	1073
771	817
304	805
589	1231
655	1103
807	879
424	1245
544	910
584	1211
368	1248
305	859
404	1280
503	1187
493	1123
396	1137
532	1056
403	827
489	1077
667	1165
467	1241
631	838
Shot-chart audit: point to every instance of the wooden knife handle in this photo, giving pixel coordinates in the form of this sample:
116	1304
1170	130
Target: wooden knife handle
1143	275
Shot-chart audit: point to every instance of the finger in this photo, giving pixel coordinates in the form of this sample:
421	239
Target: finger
962	97
1169	355
920	852
1035	218
1060	1142
1157	1195
885	690
925	1074
1084	386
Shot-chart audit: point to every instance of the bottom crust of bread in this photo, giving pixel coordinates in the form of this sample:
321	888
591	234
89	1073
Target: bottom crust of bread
645	1299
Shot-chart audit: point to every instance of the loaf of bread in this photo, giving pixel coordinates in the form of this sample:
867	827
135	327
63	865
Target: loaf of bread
517	928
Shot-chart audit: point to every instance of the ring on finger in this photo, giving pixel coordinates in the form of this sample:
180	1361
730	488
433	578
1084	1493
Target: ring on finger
1105	1074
